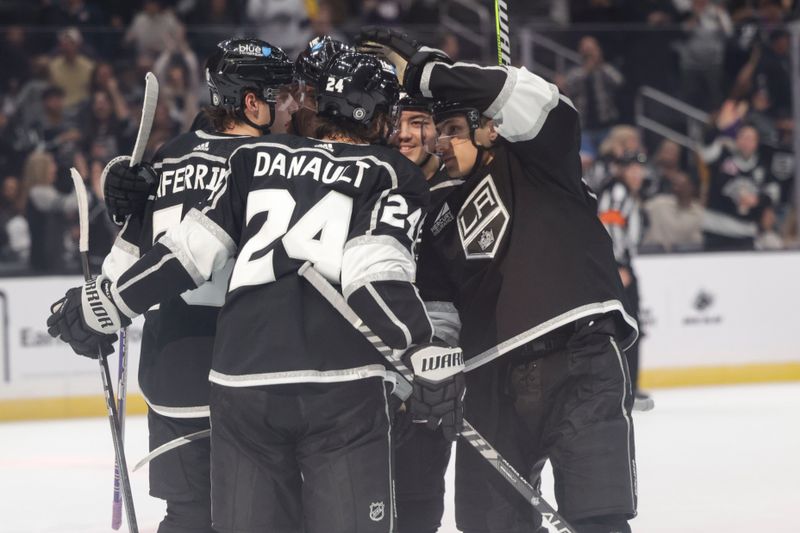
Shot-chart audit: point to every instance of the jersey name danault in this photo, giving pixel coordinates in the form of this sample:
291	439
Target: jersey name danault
189	177
294	166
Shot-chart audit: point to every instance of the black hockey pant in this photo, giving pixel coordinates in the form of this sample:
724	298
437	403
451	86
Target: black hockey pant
304	458
181	476
571	405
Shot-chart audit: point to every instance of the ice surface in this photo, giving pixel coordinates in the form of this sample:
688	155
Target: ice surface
724	459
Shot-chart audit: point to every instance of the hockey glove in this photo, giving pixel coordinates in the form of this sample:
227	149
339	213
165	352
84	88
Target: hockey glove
127	188
439	387
87	318
408	56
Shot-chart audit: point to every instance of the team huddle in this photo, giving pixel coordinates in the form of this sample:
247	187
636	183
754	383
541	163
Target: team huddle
444	202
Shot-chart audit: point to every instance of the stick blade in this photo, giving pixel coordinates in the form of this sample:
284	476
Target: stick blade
148	114
83	209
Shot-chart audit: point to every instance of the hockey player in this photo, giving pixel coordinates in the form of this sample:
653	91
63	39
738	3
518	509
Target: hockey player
531	271
249	83
300	437
422	456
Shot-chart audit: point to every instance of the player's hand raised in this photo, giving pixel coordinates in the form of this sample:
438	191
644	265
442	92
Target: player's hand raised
408	56
126	188
439	387
87	319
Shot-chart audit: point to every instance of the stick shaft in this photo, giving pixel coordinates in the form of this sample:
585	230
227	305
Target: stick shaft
471	435
122	388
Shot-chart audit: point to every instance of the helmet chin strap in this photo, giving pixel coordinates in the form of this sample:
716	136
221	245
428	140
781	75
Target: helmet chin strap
478	156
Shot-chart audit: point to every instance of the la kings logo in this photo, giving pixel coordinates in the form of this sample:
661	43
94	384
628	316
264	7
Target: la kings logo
482	221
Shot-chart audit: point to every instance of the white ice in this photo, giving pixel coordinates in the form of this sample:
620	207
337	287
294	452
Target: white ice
723	459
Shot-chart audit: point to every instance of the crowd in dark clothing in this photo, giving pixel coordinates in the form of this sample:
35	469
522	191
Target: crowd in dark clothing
74	79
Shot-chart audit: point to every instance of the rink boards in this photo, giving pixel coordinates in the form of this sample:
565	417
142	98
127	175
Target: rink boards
708	319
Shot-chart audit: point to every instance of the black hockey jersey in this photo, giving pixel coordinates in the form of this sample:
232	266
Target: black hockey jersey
733	181
354	211
519	242
178	335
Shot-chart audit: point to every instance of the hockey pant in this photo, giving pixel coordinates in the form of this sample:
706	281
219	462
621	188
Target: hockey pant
181	476
572	405
302	458
420	464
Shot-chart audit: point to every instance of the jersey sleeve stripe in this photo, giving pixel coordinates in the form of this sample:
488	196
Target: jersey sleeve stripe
198	247
503	96
526	109
375	258
390	314
213	228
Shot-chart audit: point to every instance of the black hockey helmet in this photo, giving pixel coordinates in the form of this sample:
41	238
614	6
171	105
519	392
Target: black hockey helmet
443	110
241	65
311	61
356	86
414	103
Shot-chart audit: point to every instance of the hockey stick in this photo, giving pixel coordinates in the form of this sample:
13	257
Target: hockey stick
108	391
171	445
502	30
470	433
143	135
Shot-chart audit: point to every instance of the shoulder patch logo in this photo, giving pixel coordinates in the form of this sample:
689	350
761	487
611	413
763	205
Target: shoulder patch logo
376	511
202	147
444	217
482	221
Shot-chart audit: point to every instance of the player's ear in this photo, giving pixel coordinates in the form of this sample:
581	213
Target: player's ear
486	135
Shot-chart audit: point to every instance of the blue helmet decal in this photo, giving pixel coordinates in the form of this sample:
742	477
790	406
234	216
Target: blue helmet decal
266	50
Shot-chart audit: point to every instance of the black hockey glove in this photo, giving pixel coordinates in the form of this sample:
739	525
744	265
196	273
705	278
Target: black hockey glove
87	319
439	387
408	56
127	188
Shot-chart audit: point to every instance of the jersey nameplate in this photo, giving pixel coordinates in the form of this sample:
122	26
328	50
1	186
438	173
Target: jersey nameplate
482	221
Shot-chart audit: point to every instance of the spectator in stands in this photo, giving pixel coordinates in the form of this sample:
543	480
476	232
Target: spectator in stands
15	238
620	140
740	184
46	213
108	130
57	129
668	161
287	18
593	88
28	108
70	70
10	156
177	69
151	28
773	73
769	236
16	60
703	52
619	210
675	218
164	129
